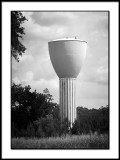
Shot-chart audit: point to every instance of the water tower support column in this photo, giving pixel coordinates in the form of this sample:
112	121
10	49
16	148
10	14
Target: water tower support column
67	99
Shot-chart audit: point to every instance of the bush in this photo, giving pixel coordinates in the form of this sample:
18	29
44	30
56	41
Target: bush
14	130
30	131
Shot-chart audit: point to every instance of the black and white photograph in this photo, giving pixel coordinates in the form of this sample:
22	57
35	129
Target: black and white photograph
59	86
60	80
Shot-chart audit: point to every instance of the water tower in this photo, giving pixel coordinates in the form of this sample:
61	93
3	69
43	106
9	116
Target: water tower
67	56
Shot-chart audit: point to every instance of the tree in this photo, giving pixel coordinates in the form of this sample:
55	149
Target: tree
95	120
21	101
17	32
65	127
27	106
48	95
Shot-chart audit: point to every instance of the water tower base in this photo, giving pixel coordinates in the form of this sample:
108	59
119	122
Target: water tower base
67	99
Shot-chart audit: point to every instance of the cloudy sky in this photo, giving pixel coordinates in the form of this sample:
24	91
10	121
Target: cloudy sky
35	68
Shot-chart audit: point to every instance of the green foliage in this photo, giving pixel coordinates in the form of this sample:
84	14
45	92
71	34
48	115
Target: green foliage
48	95
91	120
21	101
30	130
14	131
47	127
31	108
65	127
17	32
68	142
75	128
28	106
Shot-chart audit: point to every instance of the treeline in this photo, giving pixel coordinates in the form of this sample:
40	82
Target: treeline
92	120
34	114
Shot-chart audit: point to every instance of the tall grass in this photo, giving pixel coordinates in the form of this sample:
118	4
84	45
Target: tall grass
68	142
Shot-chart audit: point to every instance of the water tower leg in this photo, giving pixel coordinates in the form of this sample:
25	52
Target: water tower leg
67	99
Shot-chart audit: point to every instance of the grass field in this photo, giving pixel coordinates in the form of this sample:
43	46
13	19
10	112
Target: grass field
68	142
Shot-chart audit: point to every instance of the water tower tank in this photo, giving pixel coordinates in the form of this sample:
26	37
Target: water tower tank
67	57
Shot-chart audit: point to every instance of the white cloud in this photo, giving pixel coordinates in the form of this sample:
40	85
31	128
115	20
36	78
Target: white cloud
52	18
102	75
102	70
25	57
29	76
36	31
16	80
91	94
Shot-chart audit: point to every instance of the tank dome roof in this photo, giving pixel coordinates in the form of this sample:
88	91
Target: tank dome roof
67	39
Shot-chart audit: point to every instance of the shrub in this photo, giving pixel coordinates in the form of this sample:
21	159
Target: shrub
30	131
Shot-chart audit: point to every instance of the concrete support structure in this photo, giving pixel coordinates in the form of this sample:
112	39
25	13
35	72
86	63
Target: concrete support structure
67	101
